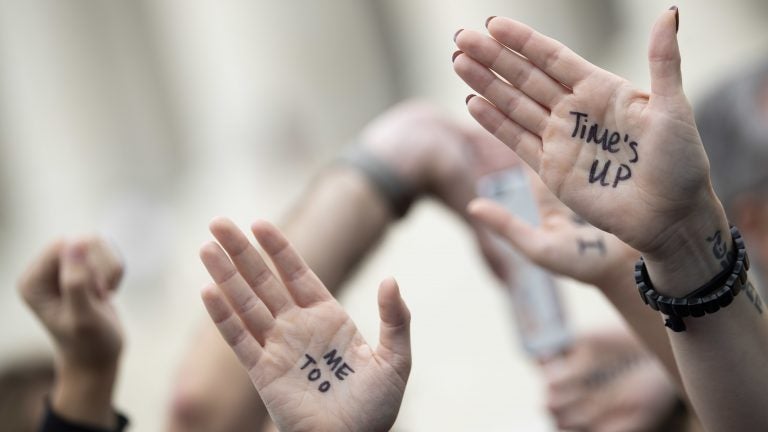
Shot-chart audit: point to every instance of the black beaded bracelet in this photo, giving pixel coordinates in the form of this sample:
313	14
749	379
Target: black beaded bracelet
713	296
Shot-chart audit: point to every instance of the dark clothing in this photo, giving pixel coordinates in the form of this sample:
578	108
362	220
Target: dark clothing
55	423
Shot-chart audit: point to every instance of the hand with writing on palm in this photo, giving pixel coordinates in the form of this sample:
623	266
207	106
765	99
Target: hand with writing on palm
631	163
303	353
563	243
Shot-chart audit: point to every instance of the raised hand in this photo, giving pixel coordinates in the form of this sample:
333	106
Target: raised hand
568	119
302	351
563	243
566	244
432	154
607	382
70	287
605	148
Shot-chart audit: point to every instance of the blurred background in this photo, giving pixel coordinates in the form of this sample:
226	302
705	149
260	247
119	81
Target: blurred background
143	119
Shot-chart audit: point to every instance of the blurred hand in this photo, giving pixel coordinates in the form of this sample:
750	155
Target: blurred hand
69	287
606	382
211	391
605	148
563	243
302	351
434	154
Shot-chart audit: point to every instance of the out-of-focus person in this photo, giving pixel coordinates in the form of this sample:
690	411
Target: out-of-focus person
733	123
25	381
410	152
69	287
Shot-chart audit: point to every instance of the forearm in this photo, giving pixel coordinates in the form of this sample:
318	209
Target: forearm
336	222
645	322
85	396
722	357
719	352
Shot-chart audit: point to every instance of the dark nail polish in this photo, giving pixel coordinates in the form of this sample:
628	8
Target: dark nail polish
455	35
456	54
466	101
489	20
677	17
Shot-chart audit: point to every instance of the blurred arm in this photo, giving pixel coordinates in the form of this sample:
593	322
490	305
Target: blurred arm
337	222
69	288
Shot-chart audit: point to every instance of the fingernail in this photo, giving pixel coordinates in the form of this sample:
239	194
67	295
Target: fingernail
455	35
468	98
76	252
456	54
677	17
489	20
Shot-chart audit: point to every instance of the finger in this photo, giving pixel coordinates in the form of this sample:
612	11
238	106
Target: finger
561	403
664	56
244	302
520	235
41	278
549	55
231	328
76	278
517	138
302	283
512	67
578	416
251	265
561	376
106	264
495	257
508	99
395	334
564	394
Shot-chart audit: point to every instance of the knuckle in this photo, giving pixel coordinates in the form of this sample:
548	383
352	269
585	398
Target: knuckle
116	275
83	326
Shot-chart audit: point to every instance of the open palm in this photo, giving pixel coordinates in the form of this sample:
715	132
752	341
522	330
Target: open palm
302	351
564	243
605	148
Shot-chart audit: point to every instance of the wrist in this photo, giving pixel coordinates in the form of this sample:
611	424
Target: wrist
620	274
693	252
84	395
394	189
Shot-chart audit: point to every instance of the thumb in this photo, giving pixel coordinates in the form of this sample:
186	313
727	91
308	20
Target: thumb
39	284
520	234
395	330
664	55
75	278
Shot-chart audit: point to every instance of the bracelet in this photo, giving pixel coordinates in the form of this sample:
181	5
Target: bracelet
708	299
396	192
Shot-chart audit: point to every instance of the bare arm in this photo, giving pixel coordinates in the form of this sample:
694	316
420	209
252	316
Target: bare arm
69	288
638	171
335	223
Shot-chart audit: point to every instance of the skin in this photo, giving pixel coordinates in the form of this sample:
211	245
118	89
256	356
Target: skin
669	196
587	387
271	321
431	154
69	287
439	157
554	245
